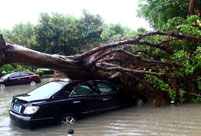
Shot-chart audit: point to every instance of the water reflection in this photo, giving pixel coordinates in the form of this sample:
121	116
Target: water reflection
143	120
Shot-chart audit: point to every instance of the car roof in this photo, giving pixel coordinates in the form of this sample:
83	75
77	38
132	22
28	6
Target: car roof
80	81
64	79
21	72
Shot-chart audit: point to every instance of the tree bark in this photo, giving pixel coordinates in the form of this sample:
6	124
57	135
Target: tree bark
191	7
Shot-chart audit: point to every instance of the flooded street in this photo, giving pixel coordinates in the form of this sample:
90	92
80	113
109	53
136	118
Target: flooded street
141	120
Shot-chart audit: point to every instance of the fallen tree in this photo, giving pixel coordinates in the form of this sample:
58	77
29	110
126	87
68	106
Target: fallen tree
149	72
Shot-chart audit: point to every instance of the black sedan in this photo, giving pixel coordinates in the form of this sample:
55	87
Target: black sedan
64	101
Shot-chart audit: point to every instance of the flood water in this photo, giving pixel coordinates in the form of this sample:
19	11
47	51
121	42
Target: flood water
141	120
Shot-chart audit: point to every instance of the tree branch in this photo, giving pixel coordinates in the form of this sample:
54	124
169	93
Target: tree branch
159	45
132	56
114	67
135	41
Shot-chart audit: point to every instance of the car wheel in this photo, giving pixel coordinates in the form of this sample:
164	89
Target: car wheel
2	85
32	82
67	119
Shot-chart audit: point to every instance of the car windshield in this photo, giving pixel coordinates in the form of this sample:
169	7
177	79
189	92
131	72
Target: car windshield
5	76
47	90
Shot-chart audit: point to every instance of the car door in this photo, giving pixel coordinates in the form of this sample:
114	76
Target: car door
84	98
108	94
25	78
14	79
60	103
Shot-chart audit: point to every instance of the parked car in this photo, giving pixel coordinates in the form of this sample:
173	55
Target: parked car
64	101
18	78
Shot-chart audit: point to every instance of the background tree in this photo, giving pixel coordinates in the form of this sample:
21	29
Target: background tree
55	32
158	12
22	34
64	34
90	27
114	32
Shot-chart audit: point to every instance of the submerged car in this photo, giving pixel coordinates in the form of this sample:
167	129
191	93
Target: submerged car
64	101
18	78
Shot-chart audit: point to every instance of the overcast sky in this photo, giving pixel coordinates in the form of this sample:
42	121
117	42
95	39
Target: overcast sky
112	11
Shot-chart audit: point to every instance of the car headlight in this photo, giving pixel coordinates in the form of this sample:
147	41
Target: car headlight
31	109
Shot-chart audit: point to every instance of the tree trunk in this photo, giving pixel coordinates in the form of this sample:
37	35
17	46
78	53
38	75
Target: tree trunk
12	53
191	7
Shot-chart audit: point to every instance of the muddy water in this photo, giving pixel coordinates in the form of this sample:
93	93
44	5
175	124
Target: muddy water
141	120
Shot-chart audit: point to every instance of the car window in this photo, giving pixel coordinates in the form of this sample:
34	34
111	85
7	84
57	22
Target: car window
65	92
82	89
6	76
24	74
106	88
17	74
47	90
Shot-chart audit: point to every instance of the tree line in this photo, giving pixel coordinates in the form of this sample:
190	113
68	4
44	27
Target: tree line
65	34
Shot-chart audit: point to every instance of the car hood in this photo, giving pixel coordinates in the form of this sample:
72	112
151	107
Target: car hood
28	98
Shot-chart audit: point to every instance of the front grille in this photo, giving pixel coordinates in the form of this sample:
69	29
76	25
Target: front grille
17	105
